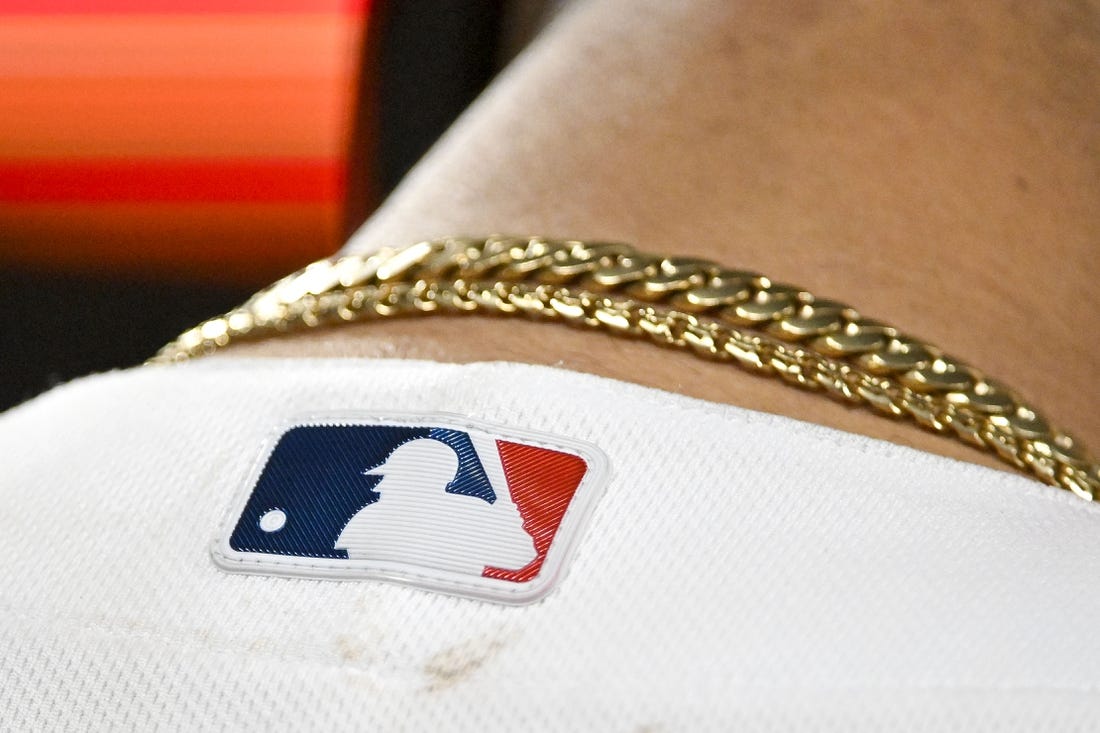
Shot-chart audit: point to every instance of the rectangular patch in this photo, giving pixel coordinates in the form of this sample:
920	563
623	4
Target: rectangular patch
440	502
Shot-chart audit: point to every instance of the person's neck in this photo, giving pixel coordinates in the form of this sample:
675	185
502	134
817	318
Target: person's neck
935	166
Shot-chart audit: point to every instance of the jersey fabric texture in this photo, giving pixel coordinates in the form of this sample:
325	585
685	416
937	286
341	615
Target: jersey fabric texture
741	571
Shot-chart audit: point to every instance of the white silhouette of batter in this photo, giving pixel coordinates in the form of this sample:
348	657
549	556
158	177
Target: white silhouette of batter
416	521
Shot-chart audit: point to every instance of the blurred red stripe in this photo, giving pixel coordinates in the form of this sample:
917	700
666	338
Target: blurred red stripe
185	7
172	180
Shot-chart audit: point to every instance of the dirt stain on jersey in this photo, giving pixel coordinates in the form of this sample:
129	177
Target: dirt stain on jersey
459	662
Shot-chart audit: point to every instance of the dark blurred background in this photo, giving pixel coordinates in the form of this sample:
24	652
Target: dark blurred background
162	160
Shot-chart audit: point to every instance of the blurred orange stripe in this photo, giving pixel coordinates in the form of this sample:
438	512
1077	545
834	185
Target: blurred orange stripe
174	117
318	45
245	243
37	7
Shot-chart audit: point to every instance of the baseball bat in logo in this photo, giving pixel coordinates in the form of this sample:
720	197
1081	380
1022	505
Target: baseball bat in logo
441	503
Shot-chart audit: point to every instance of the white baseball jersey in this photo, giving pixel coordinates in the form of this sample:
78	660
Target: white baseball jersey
714	568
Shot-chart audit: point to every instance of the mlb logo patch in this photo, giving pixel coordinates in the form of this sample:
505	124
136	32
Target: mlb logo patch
439	502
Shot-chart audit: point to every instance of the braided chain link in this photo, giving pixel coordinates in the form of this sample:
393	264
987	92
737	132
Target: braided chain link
692	304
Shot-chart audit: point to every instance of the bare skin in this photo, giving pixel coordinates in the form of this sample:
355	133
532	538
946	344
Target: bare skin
936	165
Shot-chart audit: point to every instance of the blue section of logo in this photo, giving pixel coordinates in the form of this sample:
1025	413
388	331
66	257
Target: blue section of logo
314	482
470	479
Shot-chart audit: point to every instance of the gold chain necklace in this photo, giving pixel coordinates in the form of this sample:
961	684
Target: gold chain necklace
692	304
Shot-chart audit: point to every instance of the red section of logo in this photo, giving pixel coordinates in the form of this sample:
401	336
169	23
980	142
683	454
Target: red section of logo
542	483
